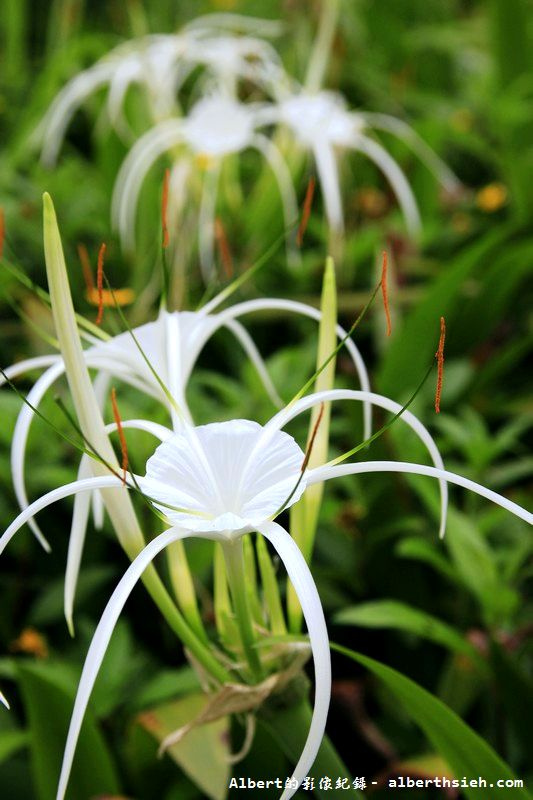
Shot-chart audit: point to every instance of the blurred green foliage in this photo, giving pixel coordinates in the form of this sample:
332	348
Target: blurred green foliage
454	616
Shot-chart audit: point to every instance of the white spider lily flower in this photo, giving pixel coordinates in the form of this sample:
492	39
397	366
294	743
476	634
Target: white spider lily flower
160	64
218	126
222	482
322	123
171	345
219	481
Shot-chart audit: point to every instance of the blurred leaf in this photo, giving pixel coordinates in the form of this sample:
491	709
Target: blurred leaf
413	346
166	685
476	565
48	608
515	691
465	752
423	550
11	742
400	616
203	753
49	707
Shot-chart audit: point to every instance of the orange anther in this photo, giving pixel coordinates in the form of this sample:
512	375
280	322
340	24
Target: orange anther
439	355
306	210
384	291
100	282
223	248
120	431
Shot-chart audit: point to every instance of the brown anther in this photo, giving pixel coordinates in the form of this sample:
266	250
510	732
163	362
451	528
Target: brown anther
164	208
439	355
120	431
223	248
306	210
100	283
384	291
312	439
83	255
2	231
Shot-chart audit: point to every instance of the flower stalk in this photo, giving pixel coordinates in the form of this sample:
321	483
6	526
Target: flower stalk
234	559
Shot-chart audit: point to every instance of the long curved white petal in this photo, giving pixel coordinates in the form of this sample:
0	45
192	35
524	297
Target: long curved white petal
28	364
285	415
80	514
307	593
20	439
326	473
289	202
238	22
254	355
411	138
100	642
275	304
395	176
328	175
58	116
133	172
4	701
104	482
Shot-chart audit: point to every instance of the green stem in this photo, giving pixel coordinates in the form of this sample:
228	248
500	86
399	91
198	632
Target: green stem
322	46
234	556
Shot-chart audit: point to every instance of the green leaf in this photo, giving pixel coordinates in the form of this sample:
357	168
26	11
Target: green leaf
466	753
11	742
476	565
400	616
289	727
203	753
48	705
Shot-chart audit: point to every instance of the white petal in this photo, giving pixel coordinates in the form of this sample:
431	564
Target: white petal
307	594
426	154
253	354
283	417
326	473
3	700
20	438
81	514
218	470
286	189
100	642
398	181
104	482
275	304
60	113
28	364
133	172
328	175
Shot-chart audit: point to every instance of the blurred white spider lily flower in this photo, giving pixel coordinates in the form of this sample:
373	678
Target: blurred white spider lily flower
170	345
218	126
322	123
217	481
4	701
161	63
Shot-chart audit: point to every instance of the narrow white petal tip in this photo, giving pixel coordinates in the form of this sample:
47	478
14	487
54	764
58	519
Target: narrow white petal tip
70	626
3	700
